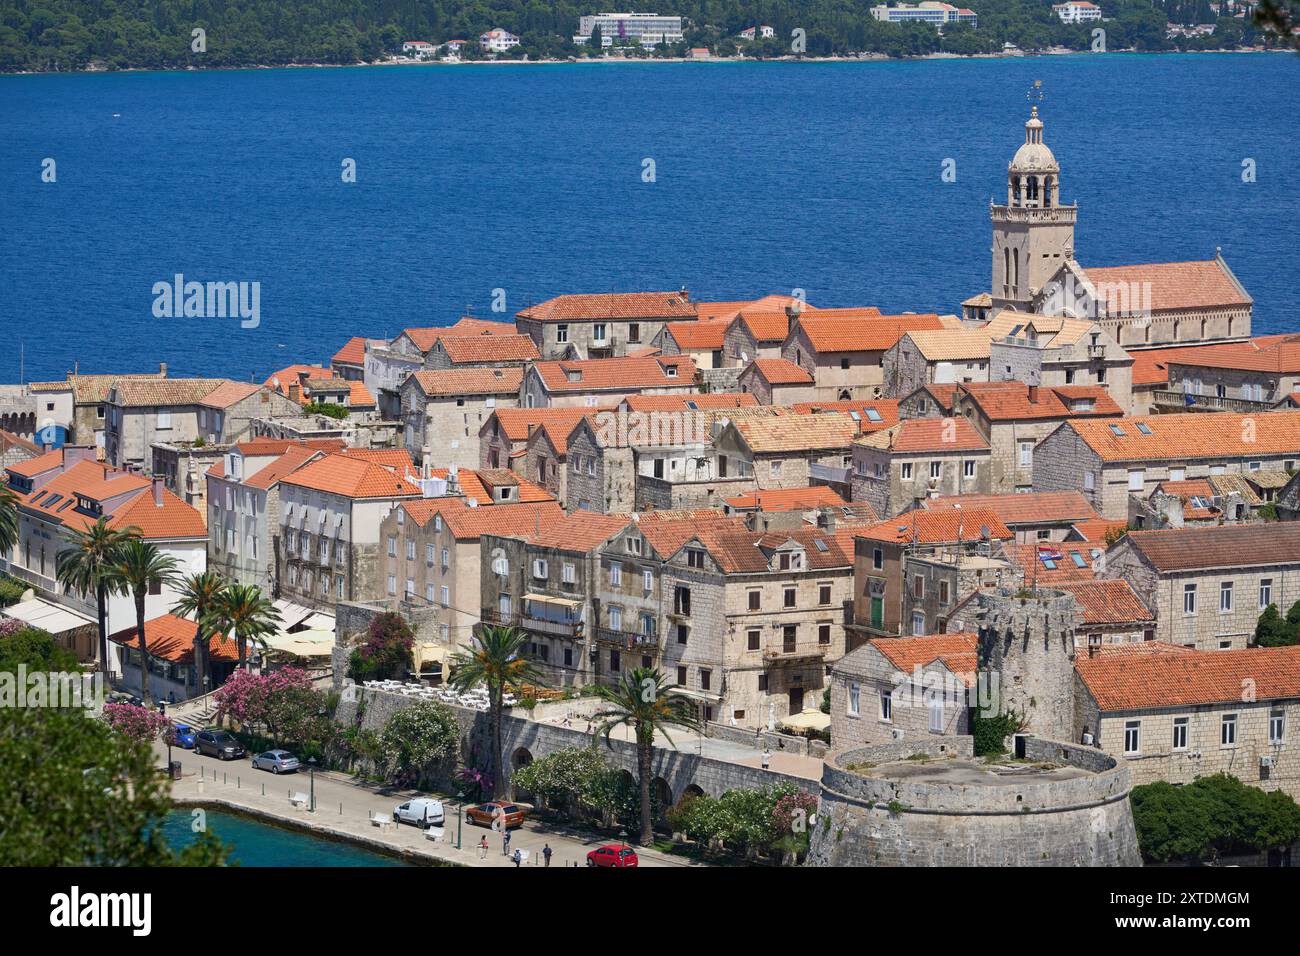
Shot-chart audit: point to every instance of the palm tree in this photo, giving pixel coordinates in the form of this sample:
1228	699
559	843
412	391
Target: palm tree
649	704
138	568
497	661
82	568
198	595
8	519
243	611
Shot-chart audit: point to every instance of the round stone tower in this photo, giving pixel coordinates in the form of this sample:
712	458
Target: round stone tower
1026	646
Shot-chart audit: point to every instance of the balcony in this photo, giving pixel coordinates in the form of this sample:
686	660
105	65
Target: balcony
794	653
1169	400
832	474
1057	214
1096	351
627	640
551	615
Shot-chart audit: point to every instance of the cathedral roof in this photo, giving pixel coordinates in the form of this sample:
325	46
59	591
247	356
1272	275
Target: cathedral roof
1034	156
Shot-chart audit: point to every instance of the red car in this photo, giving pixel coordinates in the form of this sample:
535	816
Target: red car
612	854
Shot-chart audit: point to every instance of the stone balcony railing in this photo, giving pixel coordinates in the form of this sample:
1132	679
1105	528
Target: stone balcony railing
627	640
786	653
1171	400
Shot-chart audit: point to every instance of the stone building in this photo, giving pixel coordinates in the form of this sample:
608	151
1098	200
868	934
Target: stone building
843	349
776	382
1250	376
1014	417
895	469
328	544
1173	714
443	411
1208	586
931	400
1032	517
756	334
1110	613
488	348
702	340
593	383
604	325
504	436
436	557
14	449
942	356
139	412
786	451
1054	351
1109	460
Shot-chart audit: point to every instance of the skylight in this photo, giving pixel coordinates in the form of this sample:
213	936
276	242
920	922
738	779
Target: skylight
1117	431
1142	427
1078	559
873	415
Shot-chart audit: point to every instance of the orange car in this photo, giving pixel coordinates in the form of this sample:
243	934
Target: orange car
486	814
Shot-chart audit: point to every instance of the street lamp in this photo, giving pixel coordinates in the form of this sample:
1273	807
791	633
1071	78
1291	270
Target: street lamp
311	763
460	823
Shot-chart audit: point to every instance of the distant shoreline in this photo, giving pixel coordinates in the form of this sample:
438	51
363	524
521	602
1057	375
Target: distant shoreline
860	58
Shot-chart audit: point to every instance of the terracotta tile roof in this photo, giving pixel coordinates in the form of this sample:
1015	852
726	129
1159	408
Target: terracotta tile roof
473	485
796	433
1163	679
739	551
867	331
294	375
957	651
1107	601
1038	507
9	440
1191	435
697	336
950	345
171	638
172	518
32	467
229	393
352	353
468	523
1096	529
927	434
1172	285
788	499
727	311
612	305
1067	561
517	423
767	326
359	396
145	393
286	464
93	389
778	371
885	412
468	325
469	381
943	394
623	374
1016	401
351	477
698	401
580	531
258	447
423	339
1271	354
463	349
398	459
945	526
1223	546
667	532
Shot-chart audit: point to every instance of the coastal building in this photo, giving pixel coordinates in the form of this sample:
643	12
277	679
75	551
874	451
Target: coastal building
776	381
757	333
498	41
1077	11
942	356
1111	459
591	383
444	411
418	48
170	661
350	361
1208	586
763	32
927	11
844	349
786	451
505	434
896	469
486	348
1251	376
1033	517
1051	350
603	325
647	29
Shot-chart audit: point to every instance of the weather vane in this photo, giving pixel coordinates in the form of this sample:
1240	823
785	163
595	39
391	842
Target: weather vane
1035	93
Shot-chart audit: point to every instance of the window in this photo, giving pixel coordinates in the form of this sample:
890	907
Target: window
823	633
936	469
633	545
935	706
694	558
410	587
753	639
615	574
503	605
683	632
410	550
1265	592
1089	481
428	555
540	568
568	572
392	546
392	584
1180	733
562	333
615	617
681	676
164	420
1132	736
615	661
446	558
1225	596
943	592
647	580
501	565
968	468
1026	454
1228	731
1136	479
887	705
855	700
877	558
762	682
1177	474
918	586
598	332
788	597
823	594
706	677
907	470
1276	726
1189	598
444	595
428	593
682	602
755	600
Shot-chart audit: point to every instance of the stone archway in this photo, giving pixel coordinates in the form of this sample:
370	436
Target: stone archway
521	758
691	790
661	798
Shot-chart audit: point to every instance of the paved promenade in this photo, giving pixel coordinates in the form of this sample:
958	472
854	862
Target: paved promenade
344	805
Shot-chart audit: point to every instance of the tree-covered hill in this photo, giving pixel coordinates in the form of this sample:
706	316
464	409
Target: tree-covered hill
116	34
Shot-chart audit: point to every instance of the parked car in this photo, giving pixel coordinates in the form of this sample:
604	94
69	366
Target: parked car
122	697
485	814
617	855
218	743
183	736
424	812
276	761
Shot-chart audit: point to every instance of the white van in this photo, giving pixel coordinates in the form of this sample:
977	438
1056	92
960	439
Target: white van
424	812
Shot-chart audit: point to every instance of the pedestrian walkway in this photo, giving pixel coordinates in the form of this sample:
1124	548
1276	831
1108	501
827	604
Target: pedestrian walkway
344	807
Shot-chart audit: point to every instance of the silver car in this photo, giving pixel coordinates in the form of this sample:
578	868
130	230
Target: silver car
276	761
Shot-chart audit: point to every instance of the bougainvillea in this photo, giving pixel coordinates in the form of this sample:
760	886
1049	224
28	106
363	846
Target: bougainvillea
138	723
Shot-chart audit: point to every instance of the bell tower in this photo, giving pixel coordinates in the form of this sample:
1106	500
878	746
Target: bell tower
1033	234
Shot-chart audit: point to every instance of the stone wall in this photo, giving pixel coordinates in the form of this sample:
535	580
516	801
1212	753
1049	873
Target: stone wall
1028	642
720	379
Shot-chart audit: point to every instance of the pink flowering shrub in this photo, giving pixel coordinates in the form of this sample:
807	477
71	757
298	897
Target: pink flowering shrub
798	806
138	723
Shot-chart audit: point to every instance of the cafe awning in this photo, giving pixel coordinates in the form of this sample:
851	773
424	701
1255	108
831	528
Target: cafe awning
808	720
49	617
552	599
313	643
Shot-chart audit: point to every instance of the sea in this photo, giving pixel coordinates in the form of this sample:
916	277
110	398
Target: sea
361	201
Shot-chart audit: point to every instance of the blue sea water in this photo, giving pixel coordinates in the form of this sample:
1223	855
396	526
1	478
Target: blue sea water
528	179
261	844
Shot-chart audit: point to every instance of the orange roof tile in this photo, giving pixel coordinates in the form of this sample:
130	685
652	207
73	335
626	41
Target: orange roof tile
1171	285
229	393
476	485
778	371
286	464
293	375
469	381
1107	601
1190	435
1096	529
700	401
765	434
517	423
465	349
788	499
1220	546
697	336
740	551
1163	679
351	477
580	531
1016	401
885	411
469	523
171	638
1037	507
957	651
1068	561
927	435
767	326
945	526
352	353
612	305
624	374
868	331
172	518
38	465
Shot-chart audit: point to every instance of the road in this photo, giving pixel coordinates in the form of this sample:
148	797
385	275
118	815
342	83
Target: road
344	805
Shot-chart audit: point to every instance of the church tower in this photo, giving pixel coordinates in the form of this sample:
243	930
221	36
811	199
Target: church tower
1033	234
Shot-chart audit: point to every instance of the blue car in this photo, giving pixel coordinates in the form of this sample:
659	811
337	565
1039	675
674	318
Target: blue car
184	736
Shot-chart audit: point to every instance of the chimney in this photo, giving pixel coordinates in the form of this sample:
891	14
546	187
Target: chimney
157	483
162	369
1033	394
1092	649
295	391
426	456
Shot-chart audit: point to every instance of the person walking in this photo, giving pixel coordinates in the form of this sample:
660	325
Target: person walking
546	854
767	758
482	848
505	843
517	857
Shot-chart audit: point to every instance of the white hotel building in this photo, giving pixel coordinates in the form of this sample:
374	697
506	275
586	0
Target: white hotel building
928	11
1077	11
498	41
648	29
